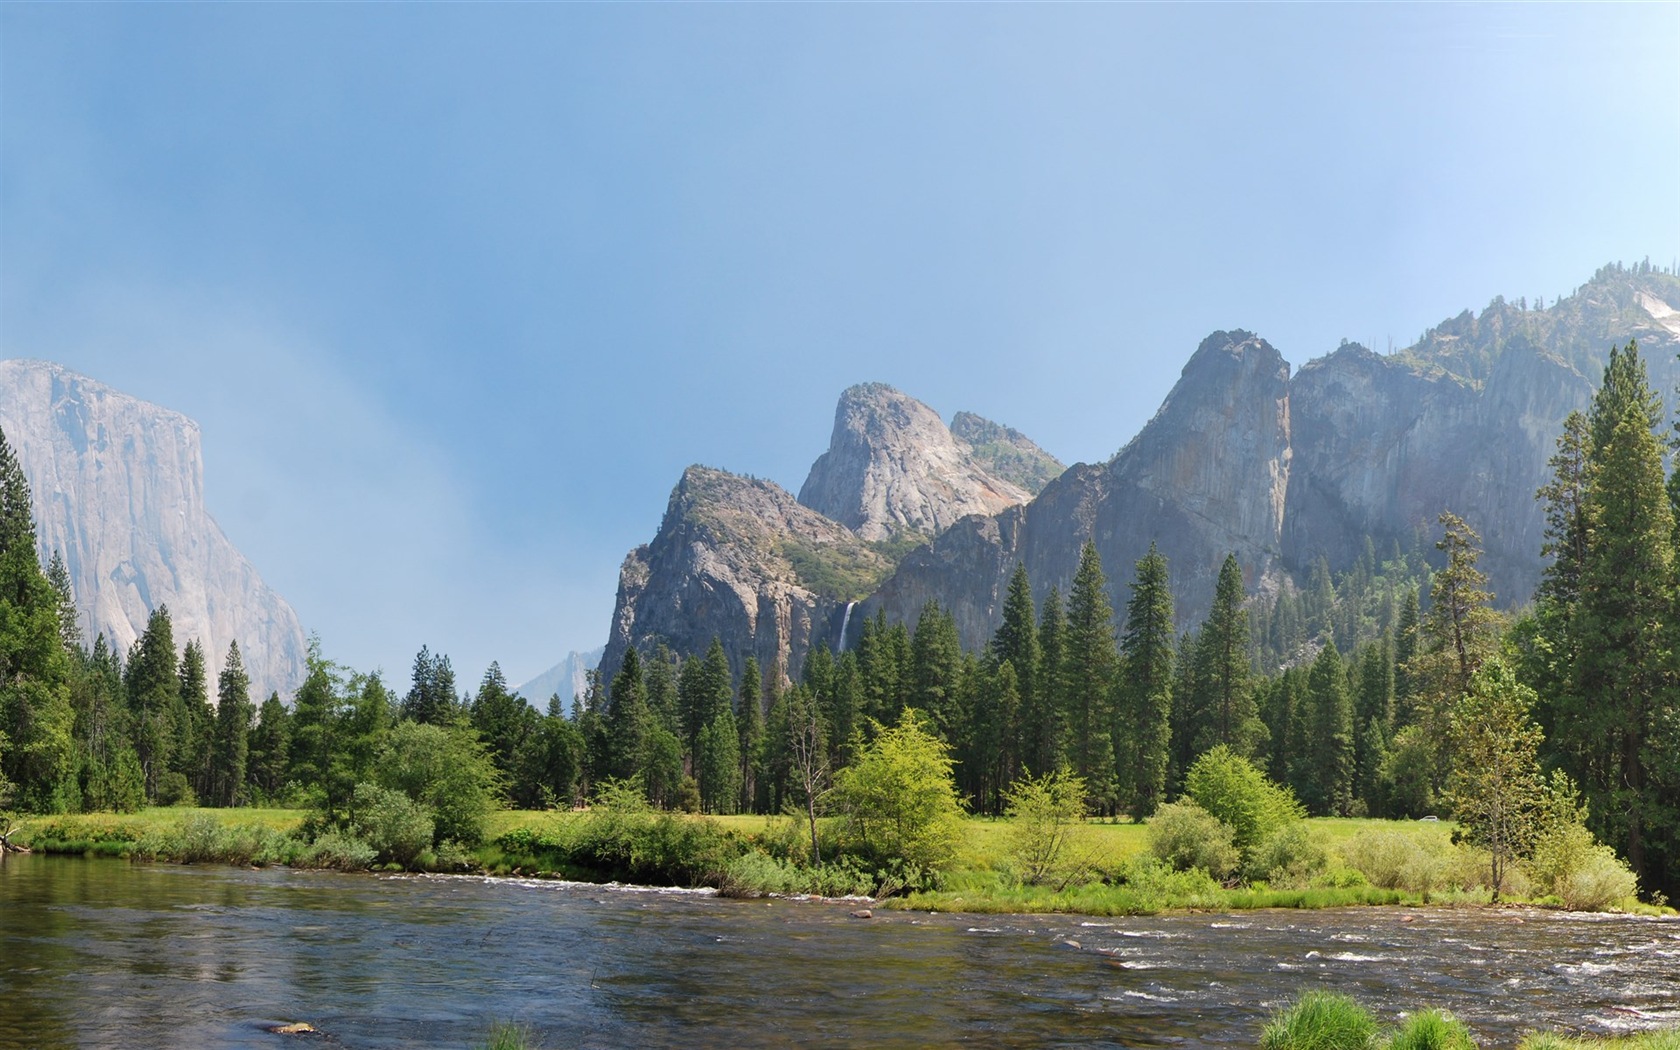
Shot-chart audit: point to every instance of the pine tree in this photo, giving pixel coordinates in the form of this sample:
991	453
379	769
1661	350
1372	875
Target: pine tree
1089	663
1044	729
270	752
1145	688
1223	707
1405	649
154	697
195	723
69	621
37	751
750	721
627	722
663	675
1329	758
718	765
431	697
936	670
1617	716
314	734
504	721
233	728
1016	643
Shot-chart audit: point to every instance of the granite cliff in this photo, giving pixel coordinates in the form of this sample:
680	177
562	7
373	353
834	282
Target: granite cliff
1243	457
118	486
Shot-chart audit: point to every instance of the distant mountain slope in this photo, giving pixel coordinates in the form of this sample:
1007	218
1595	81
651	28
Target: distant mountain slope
565	679
118	485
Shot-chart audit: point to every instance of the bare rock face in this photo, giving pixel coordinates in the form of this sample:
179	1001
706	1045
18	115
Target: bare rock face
742	560
118	485
1207	475
894	466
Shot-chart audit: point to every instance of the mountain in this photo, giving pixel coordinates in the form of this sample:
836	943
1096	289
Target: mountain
894	467
745	561
1286	470
118	485
1283	470
565	679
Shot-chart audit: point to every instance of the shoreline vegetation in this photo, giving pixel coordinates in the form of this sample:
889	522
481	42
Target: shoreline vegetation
1109	869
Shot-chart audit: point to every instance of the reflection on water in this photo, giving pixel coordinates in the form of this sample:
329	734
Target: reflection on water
103	953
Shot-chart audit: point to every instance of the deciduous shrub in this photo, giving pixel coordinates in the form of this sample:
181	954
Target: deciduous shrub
1432	1030
1240	796
1289	856
398	828
1183	835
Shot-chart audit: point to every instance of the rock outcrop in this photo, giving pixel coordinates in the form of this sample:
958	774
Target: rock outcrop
566	679
743	560
1241	458
118	485
893	466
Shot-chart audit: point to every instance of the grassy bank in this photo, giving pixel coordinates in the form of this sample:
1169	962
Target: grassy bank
1322	1020
1109	870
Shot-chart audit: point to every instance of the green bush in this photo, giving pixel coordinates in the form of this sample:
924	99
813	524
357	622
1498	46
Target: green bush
398	828
1183	835
1597	882
1156	886
1289	856
1321	1021
899	798
1235	791
173	790
1432	1030
339	851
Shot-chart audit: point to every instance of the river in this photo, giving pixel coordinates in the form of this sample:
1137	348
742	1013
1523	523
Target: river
102	953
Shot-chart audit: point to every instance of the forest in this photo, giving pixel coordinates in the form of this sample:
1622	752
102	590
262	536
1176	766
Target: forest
1399	688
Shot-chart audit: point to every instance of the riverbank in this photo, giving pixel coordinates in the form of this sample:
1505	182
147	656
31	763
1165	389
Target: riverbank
1107	872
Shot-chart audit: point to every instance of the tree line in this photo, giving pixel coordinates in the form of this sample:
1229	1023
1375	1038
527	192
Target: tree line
1368	704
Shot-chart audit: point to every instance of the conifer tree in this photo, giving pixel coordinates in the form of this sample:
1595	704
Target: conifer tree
1089	663
1405	649
314	732
503	719
1044	734
663	675
1016	643
936	659
233	728
627	723
1329	758
1145	688
37	752
69	621
1223	707
1618	718
718	765
431	696
195	725
750	721
270	751
154	696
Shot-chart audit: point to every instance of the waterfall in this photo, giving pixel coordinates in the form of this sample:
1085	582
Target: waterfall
844	620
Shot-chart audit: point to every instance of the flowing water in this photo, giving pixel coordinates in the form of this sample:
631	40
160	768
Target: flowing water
840	645
105	953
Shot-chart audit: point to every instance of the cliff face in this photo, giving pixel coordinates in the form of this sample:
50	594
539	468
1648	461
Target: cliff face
1241	458
740	559
118	486
894	466
1209	474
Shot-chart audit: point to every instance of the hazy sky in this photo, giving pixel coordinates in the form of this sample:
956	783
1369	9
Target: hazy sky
456	291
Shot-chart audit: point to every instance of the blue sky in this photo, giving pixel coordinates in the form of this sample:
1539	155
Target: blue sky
456	291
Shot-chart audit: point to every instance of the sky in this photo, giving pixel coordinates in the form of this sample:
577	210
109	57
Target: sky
457	291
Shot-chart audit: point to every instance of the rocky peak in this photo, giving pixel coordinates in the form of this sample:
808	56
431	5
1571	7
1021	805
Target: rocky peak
893	466
1006	452
118	486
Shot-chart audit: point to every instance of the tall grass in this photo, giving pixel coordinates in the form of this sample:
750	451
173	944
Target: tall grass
1321	1021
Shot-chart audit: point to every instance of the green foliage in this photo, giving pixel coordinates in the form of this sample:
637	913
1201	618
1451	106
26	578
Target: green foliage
1183	836
1090	662
1321	1020
1496	788
718	764
899	799
1289	856
1144	693
398	828
445	769
844	571
1432	1030
1220	706
1240	796
1045	836
338	851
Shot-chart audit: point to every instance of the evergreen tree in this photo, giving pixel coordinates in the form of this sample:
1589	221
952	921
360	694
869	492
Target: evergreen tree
1016	643
1145	692
431	696
627	723
1374	706
1223	707
1618	719
936	670
195	724
233	728
270	752
1044	733
1089	663
750	722
1405	650
552	762
662	675
504	721
314	731
1327	778
718	765
154	697
364	716
69	621
37	752
704	690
